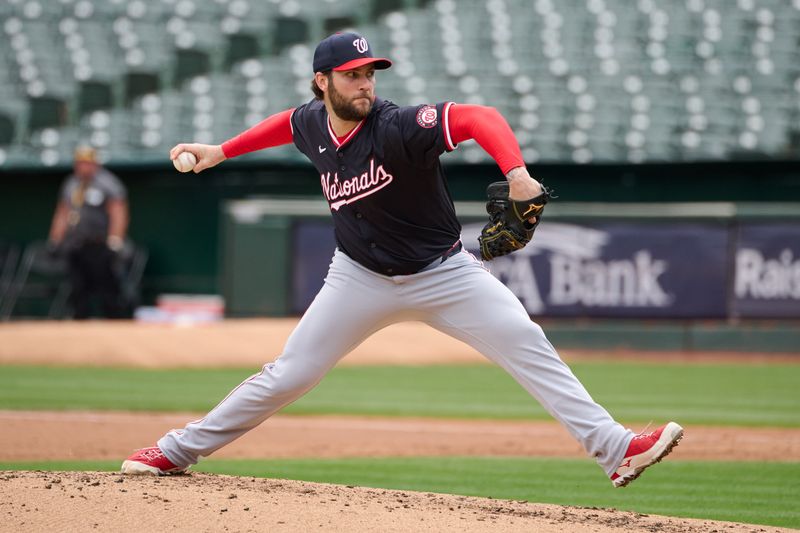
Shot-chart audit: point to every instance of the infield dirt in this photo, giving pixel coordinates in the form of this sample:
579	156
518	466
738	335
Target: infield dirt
114	435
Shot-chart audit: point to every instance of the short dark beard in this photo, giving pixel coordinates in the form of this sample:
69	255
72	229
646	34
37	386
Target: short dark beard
343	108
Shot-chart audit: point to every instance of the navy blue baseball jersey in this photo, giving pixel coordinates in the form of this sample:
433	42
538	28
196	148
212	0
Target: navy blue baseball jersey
391	207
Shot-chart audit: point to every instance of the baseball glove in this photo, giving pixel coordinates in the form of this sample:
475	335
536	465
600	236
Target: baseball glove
508	229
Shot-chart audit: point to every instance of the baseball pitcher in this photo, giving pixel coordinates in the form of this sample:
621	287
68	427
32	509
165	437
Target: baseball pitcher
399	258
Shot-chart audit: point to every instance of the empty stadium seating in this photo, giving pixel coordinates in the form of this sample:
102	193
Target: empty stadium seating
579	80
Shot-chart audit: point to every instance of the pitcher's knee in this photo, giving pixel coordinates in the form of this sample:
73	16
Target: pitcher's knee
519	329
283	381
535	328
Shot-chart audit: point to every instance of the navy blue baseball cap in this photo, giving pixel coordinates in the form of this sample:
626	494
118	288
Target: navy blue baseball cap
346	51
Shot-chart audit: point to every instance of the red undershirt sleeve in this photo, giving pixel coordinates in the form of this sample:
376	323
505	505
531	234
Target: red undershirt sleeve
274	130
489	129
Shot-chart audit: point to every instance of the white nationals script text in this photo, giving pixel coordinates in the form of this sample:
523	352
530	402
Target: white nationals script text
339	193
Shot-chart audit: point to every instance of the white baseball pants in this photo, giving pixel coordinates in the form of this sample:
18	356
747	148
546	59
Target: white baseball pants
458	297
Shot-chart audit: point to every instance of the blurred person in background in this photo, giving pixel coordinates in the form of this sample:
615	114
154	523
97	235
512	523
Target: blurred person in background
88	228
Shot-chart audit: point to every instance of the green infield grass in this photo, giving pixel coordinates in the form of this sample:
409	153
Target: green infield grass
637	392
758	493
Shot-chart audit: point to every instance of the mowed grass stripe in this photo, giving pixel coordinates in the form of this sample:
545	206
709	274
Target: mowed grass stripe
758	493
692	394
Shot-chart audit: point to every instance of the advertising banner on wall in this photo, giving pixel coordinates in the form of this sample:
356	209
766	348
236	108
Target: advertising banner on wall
767	271
604	270
618	270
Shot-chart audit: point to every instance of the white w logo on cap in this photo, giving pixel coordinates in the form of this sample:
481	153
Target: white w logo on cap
361	45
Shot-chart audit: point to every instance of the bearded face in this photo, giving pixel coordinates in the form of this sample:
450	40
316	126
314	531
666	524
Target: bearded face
355	100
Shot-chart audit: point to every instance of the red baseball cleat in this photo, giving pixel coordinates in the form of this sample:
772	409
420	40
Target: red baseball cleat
646	449
150	461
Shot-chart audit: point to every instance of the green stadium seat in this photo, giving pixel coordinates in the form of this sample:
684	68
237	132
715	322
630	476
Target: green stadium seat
289	31
603	72
8	128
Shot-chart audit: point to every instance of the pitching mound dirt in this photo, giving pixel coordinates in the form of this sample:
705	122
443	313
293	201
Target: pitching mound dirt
87	501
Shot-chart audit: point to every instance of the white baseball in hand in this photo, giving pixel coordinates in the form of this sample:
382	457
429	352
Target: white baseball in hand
185	161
